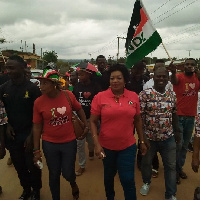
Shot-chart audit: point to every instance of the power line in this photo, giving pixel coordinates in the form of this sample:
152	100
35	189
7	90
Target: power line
176	11
160	7
175	41
170	9
192	28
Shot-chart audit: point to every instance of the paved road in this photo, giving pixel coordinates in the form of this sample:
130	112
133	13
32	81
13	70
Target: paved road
91	183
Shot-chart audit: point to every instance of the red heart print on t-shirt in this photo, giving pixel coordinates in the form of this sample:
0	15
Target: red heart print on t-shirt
86	94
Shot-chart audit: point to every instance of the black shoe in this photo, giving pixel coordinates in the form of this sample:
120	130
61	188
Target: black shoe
75	192
197	193
178	181
35	195
183	175
25	195
91	155
0	190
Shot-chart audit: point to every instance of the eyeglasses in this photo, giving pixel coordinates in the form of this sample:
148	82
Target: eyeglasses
192	64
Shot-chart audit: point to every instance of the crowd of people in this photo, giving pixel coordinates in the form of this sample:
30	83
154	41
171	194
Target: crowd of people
113	106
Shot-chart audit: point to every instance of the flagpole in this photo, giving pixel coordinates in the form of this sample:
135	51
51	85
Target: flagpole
166	52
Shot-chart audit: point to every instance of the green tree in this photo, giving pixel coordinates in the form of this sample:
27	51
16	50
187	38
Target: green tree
86	61
50	56
122	60
92	61
62	66
2	40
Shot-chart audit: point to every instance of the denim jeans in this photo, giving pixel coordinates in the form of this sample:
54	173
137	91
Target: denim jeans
186	125
124	162
60	158
81	149
167	149
155	161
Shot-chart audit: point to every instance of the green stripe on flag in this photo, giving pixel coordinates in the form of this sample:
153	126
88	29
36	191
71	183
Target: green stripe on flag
150	45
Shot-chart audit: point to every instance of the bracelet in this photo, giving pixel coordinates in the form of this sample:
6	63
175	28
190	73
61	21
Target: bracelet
87	127
37	151
93	136
142	142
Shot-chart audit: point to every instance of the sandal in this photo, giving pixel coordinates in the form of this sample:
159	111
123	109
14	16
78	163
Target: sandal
80	171
154	173
75	192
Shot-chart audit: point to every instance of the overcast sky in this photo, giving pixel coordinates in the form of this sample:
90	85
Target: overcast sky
87	28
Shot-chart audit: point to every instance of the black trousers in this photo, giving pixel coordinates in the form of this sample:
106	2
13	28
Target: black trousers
29	175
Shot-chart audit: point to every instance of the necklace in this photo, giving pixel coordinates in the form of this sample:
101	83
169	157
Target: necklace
116	97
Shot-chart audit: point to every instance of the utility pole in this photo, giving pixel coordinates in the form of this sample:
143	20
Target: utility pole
33	48
41	52
25	47
189	52
118	46
21	46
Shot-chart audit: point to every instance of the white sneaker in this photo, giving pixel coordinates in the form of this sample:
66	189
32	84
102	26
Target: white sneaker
172	198
145	189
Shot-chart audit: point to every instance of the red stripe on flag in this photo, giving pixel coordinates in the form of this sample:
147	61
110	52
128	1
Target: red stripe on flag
143	21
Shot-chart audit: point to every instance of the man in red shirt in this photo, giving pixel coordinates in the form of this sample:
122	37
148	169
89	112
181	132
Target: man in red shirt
186	86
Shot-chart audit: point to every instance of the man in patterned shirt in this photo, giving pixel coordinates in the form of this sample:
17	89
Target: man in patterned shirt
158	110
196	148
3	121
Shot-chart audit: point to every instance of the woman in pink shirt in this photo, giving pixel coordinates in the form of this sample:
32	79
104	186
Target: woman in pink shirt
52	117
119	111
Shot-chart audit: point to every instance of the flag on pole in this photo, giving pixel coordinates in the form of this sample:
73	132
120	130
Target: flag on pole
144	38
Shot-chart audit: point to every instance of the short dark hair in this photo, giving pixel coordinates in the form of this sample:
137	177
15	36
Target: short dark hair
159	68
121	68
160	61
100	56
144	61
18	59
191	59
139	65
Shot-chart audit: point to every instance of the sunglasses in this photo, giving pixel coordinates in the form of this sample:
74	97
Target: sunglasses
192	64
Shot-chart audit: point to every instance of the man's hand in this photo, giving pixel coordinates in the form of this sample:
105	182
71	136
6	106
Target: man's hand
10	132
86	129
197	72
146	141
177	137
143	148
37	156
195	163
172	67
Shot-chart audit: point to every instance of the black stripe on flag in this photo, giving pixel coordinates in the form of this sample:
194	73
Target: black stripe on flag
135	21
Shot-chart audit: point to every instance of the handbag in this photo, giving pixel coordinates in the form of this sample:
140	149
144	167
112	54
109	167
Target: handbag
77	123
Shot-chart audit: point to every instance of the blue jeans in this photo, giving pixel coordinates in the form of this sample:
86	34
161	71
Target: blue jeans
186	125
60	158
124	162
167	149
